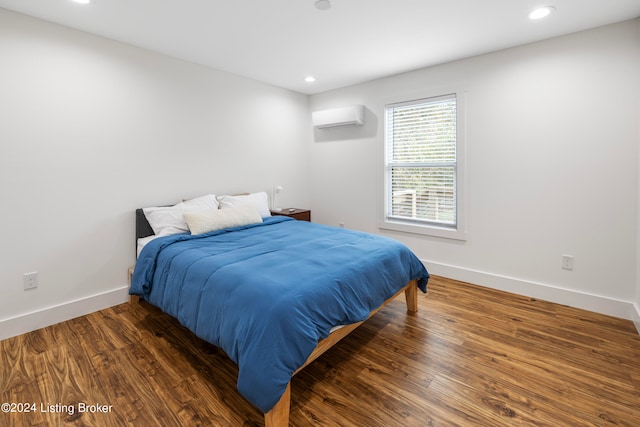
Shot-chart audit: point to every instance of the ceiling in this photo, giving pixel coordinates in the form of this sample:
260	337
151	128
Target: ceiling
282	41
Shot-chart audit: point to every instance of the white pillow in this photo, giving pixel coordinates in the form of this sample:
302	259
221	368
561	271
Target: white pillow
206	221
259	200
170	220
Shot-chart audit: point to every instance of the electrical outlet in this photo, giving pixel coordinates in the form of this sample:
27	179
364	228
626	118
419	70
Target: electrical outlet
30	280
567	262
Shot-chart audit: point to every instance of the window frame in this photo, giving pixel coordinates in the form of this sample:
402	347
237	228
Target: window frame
457	232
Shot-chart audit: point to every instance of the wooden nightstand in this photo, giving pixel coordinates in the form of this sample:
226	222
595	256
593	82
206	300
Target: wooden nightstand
299	214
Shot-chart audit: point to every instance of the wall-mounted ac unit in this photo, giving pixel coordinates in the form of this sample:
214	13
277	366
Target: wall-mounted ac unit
345	116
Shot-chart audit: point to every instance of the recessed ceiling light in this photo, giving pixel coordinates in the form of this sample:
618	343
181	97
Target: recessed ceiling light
309	79
81	1
323	4
541	12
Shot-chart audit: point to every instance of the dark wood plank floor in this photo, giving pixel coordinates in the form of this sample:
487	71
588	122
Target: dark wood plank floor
471	357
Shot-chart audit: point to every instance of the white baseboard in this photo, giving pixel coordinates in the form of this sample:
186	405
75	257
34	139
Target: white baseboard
596	303
51	315
636	317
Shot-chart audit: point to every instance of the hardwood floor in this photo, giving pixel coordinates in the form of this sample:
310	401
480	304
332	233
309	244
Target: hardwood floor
471	356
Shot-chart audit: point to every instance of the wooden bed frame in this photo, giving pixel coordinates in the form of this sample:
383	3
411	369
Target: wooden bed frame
278	416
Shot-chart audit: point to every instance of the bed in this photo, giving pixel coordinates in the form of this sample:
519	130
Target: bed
273	293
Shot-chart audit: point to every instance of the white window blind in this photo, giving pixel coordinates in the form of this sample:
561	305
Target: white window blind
420	162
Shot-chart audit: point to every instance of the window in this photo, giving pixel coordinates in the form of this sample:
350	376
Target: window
422	170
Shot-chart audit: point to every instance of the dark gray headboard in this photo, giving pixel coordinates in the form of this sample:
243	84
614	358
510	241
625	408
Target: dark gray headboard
143	229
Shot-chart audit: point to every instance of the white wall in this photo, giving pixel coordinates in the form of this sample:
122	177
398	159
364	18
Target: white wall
637	305
552	167
91	129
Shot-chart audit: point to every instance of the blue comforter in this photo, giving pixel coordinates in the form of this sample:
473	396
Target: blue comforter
267	293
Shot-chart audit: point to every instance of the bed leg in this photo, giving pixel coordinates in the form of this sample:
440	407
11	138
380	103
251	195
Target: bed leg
411	294
133	299
278	416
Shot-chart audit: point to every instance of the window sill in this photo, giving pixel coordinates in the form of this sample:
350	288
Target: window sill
426	230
